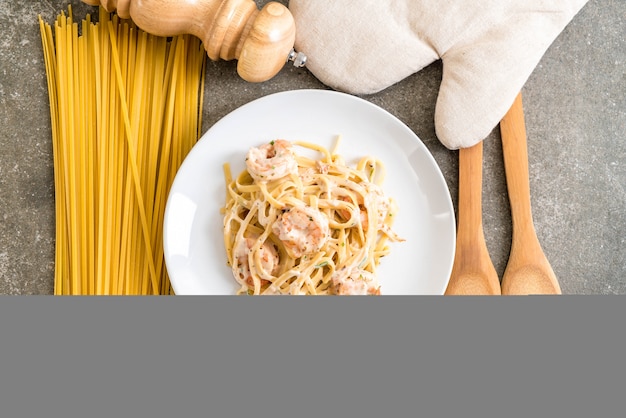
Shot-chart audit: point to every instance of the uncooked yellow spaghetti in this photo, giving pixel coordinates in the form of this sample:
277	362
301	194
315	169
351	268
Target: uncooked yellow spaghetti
125	109
301	225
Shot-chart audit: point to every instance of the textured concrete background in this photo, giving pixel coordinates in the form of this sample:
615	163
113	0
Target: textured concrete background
575	118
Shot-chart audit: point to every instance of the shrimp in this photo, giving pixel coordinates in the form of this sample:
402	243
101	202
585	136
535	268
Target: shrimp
272	161
355	281
268	255
303	230
374	197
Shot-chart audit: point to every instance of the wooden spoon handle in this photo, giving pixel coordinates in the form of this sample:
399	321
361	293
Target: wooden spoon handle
470	192
262	40
515	152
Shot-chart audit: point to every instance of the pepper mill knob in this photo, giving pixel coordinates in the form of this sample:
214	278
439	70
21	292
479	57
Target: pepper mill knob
261	40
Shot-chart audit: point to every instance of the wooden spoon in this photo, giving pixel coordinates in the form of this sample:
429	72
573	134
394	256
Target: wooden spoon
473	272
528	270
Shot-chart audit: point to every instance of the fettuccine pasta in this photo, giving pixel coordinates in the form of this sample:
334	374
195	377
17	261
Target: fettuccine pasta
125	110
299	225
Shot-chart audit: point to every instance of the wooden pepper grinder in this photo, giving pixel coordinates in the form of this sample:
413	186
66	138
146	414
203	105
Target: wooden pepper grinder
261	40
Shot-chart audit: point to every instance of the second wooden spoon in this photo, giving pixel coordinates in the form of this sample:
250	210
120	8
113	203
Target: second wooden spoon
528	270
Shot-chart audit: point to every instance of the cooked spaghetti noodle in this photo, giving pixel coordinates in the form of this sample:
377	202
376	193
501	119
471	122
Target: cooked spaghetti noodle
125	109
295	224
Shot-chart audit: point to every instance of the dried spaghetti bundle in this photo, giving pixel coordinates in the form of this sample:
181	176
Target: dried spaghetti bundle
125	109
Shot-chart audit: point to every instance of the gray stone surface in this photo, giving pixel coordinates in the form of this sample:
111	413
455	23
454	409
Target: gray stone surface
575	117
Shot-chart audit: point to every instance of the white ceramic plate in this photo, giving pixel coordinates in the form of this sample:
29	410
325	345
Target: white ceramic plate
193	241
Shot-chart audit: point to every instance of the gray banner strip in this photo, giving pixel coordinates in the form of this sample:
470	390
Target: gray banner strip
389	356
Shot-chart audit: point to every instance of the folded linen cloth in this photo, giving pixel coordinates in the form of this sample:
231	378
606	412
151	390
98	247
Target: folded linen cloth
489	48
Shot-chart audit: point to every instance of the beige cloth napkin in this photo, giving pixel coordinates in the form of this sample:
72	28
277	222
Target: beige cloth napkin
488	48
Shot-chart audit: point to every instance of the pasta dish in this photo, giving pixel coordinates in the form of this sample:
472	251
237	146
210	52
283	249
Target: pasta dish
302	225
